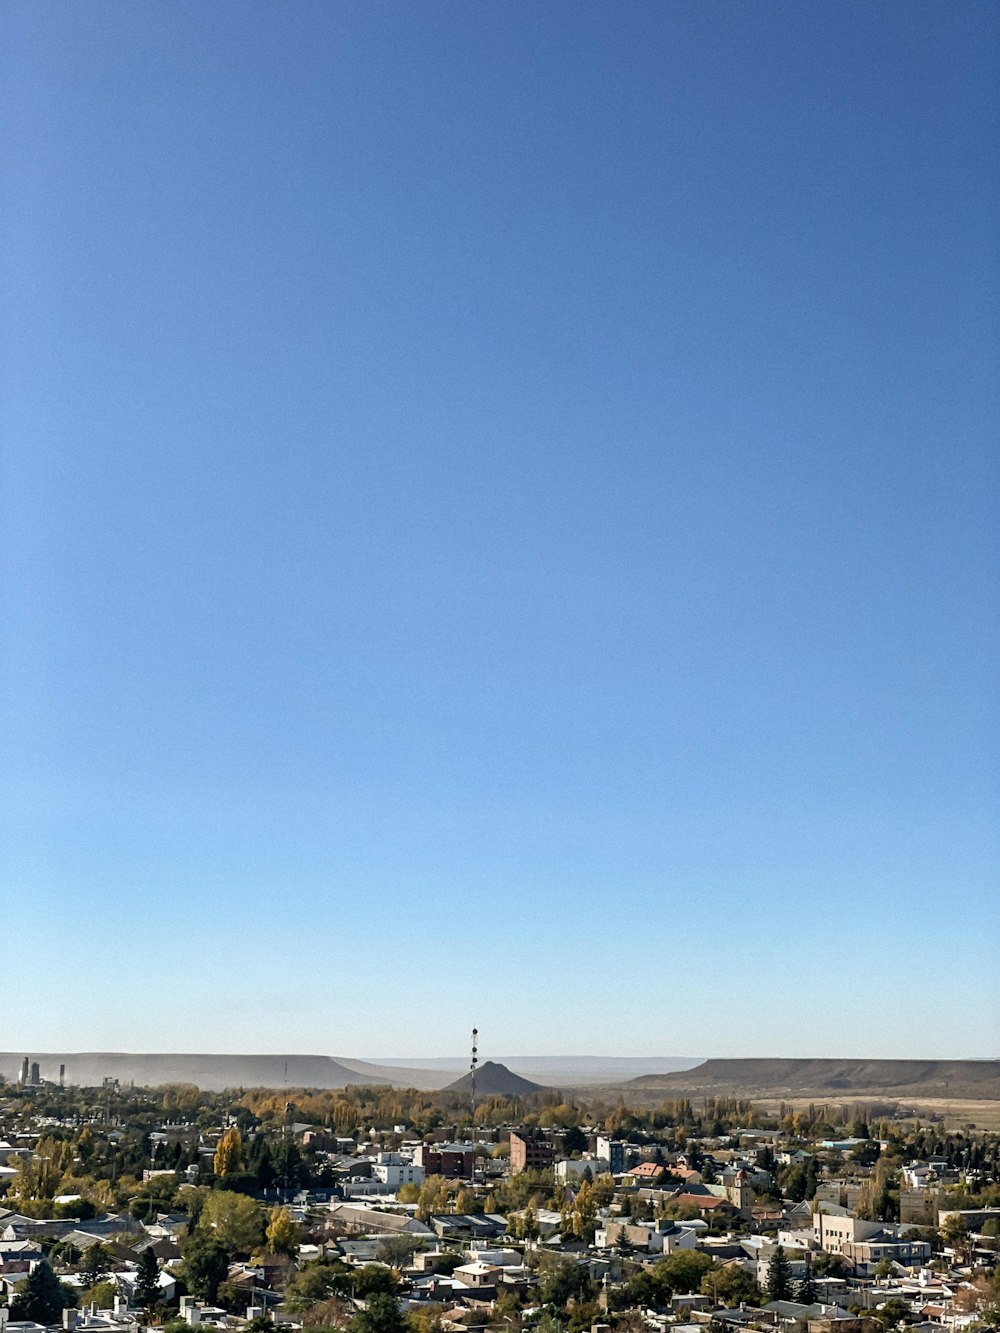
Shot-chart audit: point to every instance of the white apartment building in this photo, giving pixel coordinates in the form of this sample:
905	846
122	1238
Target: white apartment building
392	1169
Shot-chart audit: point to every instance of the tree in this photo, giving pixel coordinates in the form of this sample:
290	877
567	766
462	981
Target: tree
41	1298
729	1286
314	1284
549	1323
684	1270
380	1315
374	1280
96	1264
566	1281
289	1169
465	1201
38	1176
206	1263
792	1182
624	1246
433	1197
779	1284
331	1313
574	1140
101	1294
282	1234
806	1293
955	1233
398	1251
152	1197
234	1219
647	1288
229	1153
147	1283
260	1161
892	1312
428	1319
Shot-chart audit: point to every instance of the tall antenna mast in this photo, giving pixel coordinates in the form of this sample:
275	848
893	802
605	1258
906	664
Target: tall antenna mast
472	1070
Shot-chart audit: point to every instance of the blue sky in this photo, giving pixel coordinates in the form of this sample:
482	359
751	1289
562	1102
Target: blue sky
499	526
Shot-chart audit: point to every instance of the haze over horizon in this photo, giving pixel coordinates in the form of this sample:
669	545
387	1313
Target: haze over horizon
499	523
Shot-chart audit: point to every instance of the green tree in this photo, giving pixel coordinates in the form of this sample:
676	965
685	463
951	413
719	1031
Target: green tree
101	1294
684	1270
574	1140
792	1181
206	1263
315	1283
892	1312
289	1169
96	1264
779	1283
566	1281
152	1197
233	1219
147	1283
730	1286
647	1288
806	1292
41	1298
380	1315
955	1233
374	1280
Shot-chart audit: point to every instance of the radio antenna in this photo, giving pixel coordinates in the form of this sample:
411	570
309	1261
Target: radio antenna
472	1070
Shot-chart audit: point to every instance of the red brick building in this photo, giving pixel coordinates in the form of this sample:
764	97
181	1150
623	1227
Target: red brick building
456	1160
529	1155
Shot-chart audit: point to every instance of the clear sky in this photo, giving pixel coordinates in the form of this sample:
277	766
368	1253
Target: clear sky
500	525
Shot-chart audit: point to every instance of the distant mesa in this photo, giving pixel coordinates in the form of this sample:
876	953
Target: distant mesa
828	1078
493	1080
213	1073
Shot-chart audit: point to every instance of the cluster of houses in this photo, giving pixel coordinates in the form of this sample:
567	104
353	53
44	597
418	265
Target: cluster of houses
716	1201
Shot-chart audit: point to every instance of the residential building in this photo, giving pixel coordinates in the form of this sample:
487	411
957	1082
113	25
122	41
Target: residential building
833	1232
528	1154
456	1160
612	1153
393	1170
571	1168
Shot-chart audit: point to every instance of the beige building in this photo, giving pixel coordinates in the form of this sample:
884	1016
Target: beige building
834	1233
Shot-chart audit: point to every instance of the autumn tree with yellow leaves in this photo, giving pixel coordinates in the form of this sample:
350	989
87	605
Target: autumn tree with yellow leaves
229	1153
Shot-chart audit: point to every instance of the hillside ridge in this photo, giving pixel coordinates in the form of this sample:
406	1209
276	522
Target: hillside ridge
828	1077
211	1072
